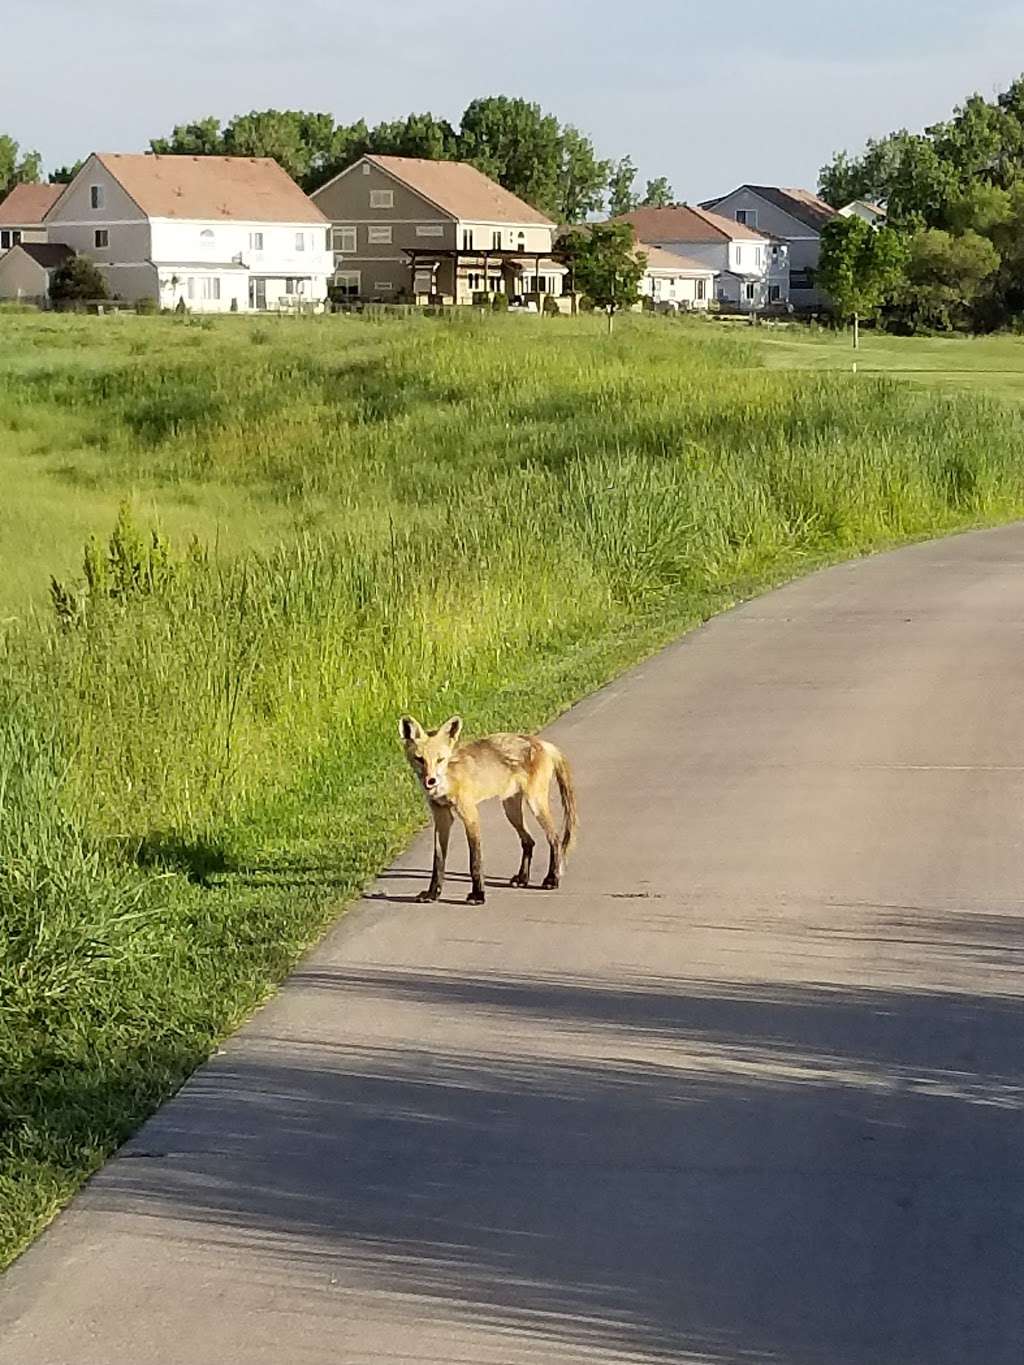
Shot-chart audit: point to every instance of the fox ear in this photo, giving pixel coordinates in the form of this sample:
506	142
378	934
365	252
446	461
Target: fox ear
452	728
410	729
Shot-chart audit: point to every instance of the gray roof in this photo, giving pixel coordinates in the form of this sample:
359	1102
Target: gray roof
803	205
47	254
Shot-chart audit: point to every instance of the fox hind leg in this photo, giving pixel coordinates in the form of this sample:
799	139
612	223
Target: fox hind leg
538	801
513	808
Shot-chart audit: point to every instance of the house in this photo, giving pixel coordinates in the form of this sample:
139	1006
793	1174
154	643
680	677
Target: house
22	213
793	216
26	270
675	282
423	231
873	214
751	268
220	233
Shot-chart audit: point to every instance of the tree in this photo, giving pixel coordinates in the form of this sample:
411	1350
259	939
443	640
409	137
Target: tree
658	194
419	135
944	275
582	177
621	198
15	169
860	268
77	281
516	144
203	138
604	265
63	175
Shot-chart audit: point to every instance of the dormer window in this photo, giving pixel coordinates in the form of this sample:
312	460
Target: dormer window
96	196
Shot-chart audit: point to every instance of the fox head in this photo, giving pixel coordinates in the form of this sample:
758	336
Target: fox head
429	752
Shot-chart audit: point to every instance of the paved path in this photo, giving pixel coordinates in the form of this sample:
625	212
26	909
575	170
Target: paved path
748	1089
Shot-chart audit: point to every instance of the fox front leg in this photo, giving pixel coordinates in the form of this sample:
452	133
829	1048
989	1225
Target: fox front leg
477	896
442	828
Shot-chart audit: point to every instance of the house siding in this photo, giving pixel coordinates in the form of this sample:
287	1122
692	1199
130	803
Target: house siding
22	278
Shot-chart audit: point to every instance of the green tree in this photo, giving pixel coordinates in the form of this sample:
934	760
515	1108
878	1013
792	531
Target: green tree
859	268
944	276
77	281
17	169
604	265
658	194
582	177
621	198
63	175
419	135
203	138
516	144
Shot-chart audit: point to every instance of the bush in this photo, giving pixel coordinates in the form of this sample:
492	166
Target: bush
499	304
146	307
551	308
77	281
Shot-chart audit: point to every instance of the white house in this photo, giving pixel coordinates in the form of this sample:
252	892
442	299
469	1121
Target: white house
223	234
751	268
674	282
873	214
22	213
793	216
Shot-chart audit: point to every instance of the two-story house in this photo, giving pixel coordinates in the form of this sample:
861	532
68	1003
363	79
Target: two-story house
224	234
421	231
793	216
751	268
22	213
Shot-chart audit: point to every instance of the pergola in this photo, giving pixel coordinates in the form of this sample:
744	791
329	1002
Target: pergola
482	258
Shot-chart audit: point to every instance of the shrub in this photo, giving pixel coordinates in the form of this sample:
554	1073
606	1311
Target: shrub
499	304
146	307
77	281
551	308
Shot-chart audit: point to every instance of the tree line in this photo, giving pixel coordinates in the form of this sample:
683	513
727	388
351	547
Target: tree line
552	165
954	196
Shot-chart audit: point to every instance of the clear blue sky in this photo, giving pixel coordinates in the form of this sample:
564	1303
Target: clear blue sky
709	94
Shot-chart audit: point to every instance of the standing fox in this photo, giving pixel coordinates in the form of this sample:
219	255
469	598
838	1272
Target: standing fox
511	767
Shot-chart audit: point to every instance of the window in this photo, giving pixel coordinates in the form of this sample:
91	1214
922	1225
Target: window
474	281
429	230
496	239
423	282
383	286
382	199
210	287
701	291
327	240
748	217
739	255
347	283
467	239
101	238
774	293
381	236
96	196
190	287
494	284
300	241
748	292
9	237
255	241
345	239
289	286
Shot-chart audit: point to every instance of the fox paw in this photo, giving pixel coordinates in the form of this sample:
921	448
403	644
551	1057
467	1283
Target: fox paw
520	879
475	898
425	896
550	884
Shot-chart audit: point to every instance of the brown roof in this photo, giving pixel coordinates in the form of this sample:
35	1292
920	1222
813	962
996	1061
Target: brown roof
252	189
660	259
47	254
26	204
685	223
461	190
803	205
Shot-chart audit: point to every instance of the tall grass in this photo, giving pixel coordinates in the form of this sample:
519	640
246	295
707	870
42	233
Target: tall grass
485	518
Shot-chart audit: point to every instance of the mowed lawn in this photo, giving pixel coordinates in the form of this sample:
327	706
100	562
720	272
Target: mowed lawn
990	365
198	758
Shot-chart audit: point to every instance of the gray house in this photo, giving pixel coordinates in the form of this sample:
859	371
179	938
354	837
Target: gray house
792	215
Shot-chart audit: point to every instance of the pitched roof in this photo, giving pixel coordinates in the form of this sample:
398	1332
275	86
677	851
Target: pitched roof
803	205
47	254
660	259
685	223
461	190
26	204
252	189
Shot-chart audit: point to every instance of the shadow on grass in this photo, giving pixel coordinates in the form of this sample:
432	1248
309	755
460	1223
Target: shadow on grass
199	860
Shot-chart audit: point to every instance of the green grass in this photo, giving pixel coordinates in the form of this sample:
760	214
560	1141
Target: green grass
491	516
983	365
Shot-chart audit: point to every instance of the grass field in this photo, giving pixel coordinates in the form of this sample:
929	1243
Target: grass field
484	515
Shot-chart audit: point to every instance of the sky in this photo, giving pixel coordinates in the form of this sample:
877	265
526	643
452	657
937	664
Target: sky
708	94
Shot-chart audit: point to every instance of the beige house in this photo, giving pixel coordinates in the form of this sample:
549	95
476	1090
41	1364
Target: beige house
673	282
22	213
26	271
411	230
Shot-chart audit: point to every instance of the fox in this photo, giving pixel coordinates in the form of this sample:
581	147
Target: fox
515	768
